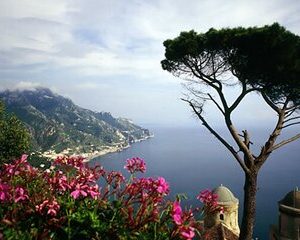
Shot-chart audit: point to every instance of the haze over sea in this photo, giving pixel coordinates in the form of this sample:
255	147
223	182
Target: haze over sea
191	160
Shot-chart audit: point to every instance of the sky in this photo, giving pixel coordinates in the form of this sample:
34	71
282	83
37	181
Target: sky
105	55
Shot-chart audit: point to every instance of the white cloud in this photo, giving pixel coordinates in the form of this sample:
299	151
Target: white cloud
126	37
22	85
54	10
61	43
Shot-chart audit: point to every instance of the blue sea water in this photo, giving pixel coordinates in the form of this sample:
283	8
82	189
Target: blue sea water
191	160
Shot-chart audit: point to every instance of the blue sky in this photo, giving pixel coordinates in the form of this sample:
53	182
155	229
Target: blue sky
105	55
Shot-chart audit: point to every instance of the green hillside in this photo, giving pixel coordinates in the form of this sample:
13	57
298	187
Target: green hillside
57	124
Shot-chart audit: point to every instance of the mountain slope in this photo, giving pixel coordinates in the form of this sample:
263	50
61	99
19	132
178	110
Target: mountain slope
57	124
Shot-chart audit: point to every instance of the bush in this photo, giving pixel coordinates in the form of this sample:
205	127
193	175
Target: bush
65	202
14	137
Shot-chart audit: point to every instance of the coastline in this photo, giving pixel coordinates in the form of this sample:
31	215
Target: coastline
88	156
115	149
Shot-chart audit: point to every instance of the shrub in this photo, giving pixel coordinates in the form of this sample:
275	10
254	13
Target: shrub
14	137
65	202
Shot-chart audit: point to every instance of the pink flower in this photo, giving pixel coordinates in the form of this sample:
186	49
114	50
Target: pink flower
115	179
51	205
86	175
10	169
79	190
20	166
143	186
23	158
203	195
58	182
74	161
94	191
162	186
209	199
20	194
135	165
4	192
187	232
176	213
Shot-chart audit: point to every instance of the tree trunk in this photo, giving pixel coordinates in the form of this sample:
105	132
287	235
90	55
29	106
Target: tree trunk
250	188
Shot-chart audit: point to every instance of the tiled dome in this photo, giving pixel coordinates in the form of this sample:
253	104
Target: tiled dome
292	199
225	196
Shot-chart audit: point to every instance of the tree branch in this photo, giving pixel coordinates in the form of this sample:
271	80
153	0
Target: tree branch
270	103
222	140
219	107
268	147
209	81
286	142
291	124
241	96
246	137
234	133
293	118
200	75
197	94
293	108
290	112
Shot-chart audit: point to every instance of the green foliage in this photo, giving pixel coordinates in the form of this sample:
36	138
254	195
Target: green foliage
36	160
14	138
267	58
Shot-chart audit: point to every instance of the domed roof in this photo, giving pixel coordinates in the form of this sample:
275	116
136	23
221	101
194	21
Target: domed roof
292	199
225	196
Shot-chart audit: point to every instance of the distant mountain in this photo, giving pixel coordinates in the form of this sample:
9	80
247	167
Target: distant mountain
57	124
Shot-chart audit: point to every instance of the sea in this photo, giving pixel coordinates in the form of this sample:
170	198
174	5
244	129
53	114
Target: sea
191	159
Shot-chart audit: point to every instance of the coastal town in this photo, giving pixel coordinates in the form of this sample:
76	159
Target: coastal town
93	152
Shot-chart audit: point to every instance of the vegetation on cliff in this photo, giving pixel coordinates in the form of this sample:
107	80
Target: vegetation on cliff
14	138
56	124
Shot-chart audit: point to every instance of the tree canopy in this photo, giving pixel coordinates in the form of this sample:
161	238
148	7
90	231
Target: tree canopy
266	59
14	137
